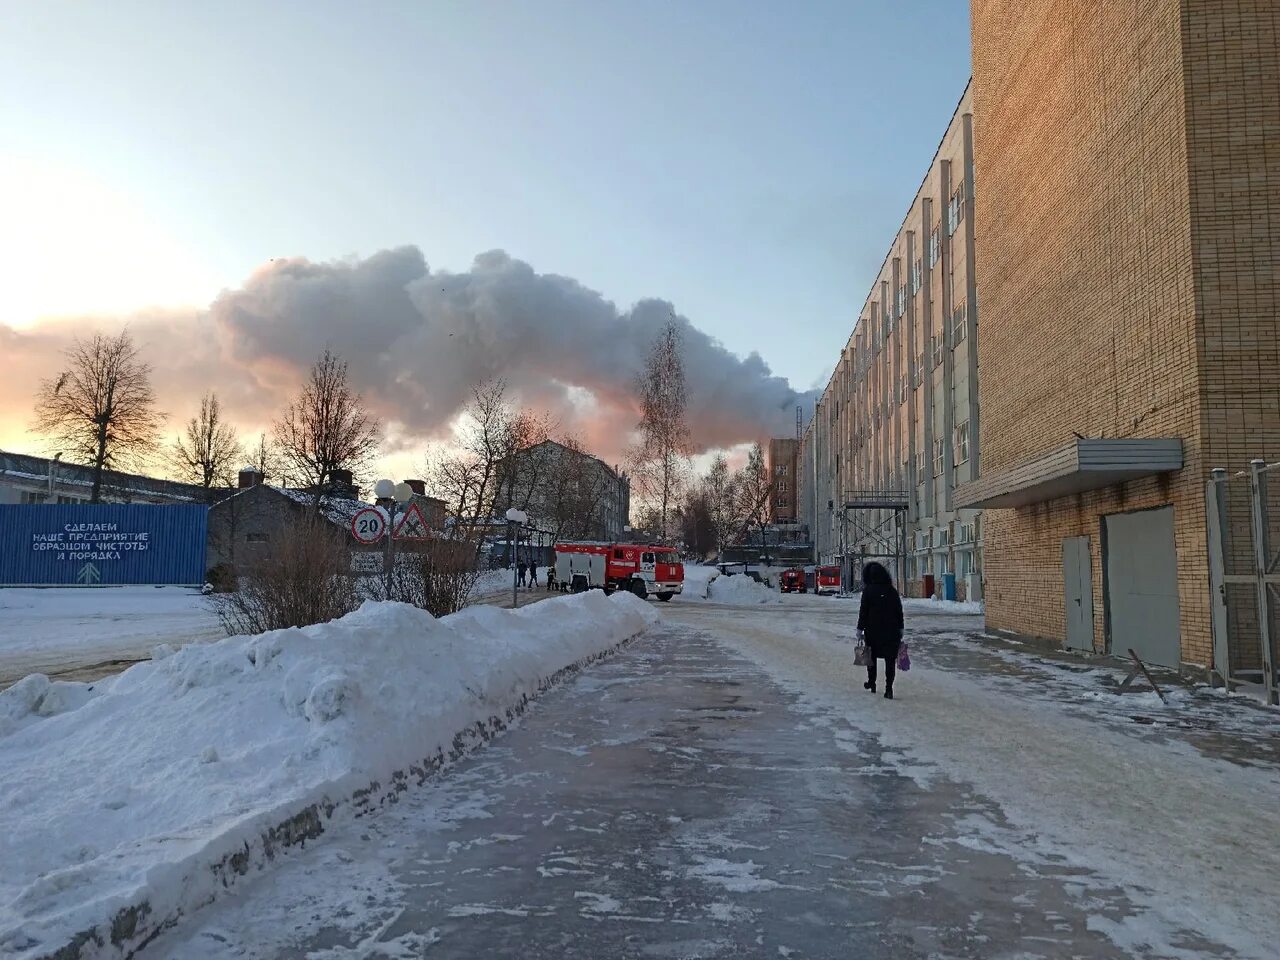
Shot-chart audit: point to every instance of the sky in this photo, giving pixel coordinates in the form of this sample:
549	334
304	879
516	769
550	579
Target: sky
745	163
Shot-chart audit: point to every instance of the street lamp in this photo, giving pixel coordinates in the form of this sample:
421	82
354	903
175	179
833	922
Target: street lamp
393	493
515	520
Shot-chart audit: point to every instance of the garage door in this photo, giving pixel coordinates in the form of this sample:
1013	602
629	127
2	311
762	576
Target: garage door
1142	585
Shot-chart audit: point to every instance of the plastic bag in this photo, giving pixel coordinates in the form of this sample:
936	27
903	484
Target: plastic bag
904	658
860	655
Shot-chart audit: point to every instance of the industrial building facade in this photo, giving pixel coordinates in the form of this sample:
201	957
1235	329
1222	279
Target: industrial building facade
896	429
1127	217
782	466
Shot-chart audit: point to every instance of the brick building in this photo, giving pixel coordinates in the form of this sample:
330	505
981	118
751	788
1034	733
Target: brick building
783	454
1127	217
895	430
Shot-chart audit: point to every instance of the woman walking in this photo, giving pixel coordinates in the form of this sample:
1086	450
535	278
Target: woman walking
880	624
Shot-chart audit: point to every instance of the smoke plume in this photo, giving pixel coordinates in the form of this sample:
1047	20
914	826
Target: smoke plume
417	342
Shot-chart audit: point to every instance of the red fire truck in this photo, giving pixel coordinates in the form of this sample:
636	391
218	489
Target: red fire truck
793	580
822	579
643	569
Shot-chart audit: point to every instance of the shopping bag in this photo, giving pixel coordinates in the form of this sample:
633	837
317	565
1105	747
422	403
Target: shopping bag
860	655
904	657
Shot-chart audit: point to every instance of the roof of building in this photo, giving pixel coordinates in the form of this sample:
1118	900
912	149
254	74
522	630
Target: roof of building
337	510
25	466
590	456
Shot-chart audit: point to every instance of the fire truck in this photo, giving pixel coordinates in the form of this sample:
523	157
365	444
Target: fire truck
823	579
643	569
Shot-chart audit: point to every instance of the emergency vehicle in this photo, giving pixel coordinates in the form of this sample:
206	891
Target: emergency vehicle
643	569
793	580
823	579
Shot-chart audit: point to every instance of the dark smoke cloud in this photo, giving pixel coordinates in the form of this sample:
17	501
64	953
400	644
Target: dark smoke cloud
417	341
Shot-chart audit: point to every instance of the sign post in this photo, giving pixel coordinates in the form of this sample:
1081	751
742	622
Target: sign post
515	520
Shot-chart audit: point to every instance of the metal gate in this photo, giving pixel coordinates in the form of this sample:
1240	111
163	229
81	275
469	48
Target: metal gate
1244	576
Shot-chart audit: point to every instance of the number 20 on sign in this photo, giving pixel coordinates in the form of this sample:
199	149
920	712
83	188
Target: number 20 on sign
368	525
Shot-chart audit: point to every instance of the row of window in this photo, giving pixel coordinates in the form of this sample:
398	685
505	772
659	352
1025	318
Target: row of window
29	496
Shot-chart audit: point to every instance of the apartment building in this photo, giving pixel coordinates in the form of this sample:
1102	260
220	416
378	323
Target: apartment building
783	463
1127	221
896	429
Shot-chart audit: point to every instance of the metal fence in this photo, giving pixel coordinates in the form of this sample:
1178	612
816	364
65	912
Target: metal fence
1243	511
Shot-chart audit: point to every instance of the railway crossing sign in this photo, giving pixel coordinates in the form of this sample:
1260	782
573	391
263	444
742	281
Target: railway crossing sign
413	526
368	525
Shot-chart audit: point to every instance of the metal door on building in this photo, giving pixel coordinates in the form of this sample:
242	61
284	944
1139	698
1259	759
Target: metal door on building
1077	578
1141	582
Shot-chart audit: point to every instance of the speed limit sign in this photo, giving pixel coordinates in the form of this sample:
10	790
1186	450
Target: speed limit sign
368	525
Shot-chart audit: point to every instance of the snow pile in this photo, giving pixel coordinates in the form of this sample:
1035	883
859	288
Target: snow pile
741	590
696	580
128	801
932	605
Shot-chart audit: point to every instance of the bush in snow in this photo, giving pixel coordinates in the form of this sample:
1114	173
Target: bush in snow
435	575
221	577
303	580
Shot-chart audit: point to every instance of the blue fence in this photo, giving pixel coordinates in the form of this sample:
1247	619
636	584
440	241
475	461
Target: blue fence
102	544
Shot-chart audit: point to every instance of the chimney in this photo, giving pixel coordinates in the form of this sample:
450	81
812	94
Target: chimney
418	486
249	477
342	483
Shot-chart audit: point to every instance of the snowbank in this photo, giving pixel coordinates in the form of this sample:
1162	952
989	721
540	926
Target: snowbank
696	580
930	605
741	590
129	801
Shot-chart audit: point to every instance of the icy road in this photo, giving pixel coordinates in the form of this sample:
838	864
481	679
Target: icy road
725	788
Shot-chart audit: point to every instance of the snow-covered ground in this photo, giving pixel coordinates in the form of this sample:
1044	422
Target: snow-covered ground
56	629
1085	776
158	786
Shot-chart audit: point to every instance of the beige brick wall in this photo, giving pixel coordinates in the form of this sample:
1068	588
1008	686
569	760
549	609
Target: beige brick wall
1231	51
1088	320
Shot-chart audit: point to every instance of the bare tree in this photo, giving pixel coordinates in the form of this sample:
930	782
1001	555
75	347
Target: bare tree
754	485
574	492
207	451
265	459
659	462
100	409
326	427
719	487
467	474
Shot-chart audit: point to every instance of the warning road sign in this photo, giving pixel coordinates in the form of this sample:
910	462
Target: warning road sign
413	526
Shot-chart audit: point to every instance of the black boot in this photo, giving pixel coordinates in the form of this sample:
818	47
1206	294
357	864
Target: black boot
869	685
888	693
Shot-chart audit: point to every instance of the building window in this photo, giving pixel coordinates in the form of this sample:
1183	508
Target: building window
782	486
935	247
962	442
920	466
30	497
255	538
937	343
964	563
916	273
939	458
780	470
783	503
959	326
902	299
65	499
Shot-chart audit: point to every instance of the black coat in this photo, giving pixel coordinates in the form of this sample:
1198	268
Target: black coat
880	619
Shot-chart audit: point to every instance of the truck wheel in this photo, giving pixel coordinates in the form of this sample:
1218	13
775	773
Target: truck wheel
579	584
637	587
664	596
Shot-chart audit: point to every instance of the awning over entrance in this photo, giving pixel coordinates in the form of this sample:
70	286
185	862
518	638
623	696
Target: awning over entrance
1075	468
